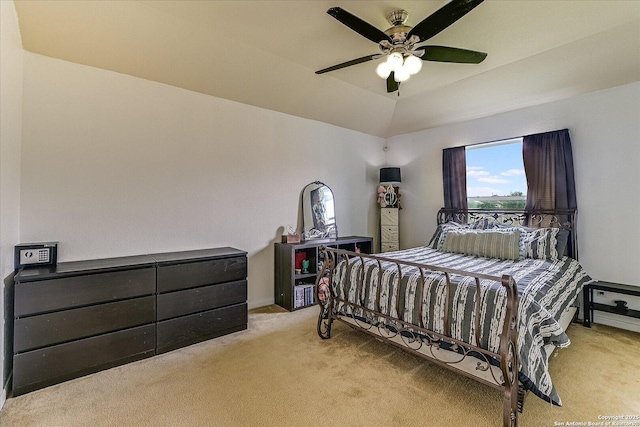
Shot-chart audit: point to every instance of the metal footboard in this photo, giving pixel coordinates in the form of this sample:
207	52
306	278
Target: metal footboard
469	359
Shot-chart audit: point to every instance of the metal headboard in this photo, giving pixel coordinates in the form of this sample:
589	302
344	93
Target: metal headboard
536	218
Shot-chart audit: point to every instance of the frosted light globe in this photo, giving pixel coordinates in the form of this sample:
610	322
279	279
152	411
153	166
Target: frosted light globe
401	75
383	70
413	64
395	61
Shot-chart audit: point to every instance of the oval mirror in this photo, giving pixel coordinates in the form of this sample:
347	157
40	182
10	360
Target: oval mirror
318	212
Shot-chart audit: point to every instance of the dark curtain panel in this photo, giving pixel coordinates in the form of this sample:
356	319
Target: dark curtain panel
548	165
454	177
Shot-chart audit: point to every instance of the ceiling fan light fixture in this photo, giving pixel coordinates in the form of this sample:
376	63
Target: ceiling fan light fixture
399	43
383	70
401	75
412	64
395	61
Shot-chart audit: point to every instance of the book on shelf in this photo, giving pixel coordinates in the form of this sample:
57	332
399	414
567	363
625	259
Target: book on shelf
298	296
303	295
308	294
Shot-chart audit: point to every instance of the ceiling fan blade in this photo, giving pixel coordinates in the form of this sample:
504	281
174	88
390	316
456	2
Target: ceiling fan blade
347	64
358	25
442	18
392	85
452	54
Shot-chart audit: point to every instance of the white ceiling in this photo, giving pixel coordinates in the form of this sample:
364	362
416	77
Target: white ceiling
264	53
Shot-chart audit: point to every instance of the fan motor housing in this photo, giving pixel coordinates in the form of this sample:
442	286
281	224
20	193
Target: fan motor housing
398	33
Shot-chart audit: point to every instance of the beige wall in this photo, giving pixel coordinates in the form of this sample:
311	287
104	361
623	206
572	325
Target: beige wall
605	133
114	165
11	62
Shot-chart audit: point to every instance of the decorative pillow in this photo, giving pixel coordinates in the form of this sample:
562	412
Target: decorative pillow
508	226
433	243
563	239
502	244
541	243
481	224
538	244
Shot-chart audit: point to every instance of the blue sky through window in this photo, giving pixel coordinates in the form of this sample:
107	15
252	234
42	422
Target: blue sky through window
495	169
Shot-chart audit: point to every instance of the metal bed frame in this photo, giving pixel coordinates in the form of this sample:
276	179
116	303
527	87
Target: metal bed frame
467	359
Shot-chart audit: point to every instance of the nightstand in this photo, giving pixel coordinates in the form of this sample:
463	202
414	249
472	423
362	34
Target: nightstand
590	306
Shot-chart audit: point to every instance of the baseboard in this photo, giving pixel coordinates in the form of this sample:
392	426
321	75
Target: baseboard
3	398
6	390
260	303
617	321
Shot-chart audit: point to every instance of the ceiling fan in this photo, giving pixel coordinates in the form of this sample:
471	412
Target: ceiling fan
399	43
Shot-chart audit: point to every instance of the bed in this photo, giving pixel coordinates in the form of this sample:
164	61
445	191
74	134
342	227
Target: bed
522	265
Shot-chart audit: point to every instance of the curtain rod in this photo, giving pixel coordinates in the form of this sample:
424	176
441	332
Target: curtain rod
508	139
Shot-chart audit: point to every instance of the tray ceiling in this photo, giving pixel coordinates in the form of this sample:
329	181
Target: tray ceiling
264	53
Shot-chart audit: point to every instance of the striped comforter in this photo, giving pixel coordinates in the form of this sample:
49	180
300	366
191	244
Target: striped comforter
545	289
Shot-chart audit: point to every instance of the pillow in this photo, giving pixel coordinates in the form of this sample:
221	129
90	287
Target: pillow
541	243
510	226
502	244
433	243
483	224
541	237
563	239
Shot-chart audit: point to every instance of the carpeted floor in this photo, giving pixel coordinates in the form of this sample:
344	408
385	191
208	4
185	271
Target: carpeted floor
279	373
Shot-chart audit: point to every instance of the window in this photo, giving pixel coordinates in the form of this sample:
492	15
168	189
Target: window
495	175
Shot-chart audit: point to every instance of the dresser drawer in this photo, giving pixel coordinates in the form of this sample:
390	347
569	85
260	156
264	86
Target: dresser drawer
192	274
389	233
51	365
389	216
55	294
388	247
204	298
61	326
187	330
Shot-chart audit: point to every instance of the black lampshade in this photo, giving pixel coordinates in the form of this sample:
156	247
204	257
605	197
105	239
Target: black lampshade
390	175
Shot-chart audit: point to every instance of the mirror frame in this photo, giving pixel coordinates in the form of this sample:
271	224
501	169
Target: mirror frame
331	232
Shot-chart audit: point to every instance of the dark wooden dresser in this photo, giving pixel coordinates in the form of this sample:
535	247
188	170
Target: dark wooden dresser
201	295
85	316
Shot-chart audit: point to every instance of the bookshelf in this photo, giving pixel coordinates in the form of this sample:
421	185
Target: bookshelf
294	287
